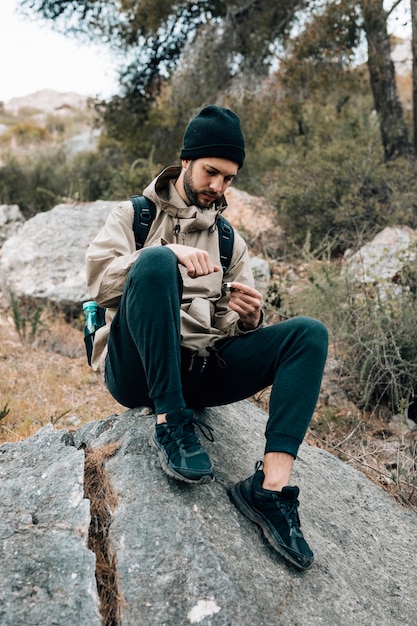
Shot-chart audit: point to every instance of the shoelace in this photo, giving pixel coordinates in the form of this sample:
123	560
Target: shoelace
185	433
290	512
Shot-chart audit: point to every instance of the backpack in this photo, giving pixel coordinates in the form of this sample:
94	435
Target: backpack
145	211
144	214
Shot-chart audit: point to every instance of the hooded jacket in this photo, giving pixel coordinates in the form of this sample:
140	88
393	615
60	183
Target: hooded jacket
205	315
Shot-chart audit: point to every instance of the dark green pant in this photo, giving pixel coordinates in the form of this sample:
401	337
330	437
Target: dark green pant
147	366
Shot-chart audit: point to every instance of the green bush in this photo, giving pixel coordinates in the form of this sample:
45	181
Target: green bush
321	165
27	319
107	174
24	134
36	182
374	335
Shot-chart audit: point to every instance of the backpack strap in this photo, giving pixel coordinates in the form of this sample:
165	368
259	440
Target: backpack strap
145	211
226	241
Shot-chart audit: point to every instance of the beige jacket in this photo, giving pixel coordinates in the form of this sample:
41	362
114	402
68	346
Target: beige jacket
205	315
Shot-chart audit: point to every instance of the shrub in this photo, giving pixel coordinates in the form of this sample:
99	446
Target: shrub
108	175
375	338
36	182
26	133
27	319
343	193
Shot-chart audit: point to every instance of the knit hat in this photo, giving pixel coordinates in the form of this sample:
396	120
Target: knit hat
214	132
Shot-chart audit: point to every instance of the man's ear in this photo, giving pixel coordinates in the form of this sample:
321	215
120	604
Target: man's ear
185	163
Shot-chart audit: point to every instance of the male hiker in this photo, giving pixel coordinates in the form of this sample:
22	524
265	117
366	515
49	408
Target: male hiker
185	330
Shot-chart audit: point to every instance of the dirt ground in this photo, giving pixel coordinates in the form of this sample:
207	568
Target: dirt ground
47	380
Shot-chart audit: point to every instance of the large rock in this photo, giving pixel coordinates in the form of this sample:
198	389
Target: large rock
48	573
185	555
257	222
383	258
45	260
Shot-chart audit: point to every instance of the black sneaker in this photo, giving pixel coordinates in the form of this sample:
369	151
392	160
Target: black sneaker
179	450
276	512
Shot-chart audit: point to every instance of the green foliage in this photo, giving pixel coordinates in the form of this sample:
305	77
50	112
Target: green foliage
325	173
27	319
4	411
45	178
108	174
35	182
374	334
155	39
25	133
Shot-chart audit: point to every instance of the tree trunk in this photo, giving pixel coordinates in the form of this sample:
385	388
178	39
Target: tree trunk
382	76
414	53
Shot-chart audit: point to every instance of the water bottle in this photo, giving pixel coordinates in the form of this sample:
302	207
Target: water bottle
90	311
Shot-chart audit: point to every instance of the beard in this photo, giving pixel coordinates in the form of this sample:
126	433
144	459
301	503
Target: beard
195	197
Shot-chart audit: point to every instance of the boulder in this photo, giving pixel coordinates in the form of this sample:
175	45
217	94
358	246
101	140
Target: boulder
382	259
45	260
257	222
183	554
48	572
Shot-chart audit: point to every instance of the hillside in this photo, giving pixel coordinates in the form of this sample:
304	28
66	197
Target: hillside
47	119
47	101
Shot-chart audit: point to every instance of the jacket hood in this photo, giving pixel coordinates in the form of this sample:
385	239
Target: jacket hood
162	191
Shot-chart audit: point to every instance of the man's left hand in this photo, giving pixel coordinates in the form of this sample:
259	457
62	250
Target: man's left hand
247	303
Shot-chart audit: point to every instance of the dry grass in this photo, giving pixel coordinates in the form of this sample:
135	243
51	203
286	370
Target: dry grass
47	381
103	500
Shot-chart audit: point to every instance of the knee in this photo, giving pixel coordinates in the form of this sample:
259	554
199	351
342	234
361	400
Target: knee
313	332
306	333
153	265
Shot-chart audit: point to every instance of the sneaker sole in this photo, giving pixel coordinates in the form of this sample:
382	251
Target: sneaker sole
274	540
206	478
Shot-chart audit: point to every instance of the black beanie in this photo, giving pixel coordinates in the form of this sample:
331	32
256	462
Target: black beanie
214	132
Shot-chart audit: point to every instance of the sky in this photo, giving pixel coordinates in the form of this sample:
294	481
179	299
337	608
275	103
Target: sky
34	57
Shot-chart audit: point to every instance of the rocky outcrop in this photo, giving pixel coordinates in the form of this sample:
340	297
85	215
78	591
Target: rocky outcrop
172	553
47	568
48	101
383	262
382	259
45	260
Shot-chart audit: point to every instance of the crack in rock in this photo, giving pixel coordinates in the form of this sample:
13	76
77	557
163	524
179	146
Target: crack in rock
103	500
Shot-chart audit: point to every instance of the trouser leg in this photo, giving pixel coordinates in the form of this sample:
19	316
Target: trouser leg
290	356
143	365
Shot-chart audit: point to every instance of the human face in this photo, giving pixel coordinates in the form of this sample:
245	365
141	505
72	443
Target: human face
206	180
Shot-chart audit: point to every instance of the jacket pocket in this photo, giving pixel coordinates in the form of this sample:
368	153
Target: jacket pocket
201	310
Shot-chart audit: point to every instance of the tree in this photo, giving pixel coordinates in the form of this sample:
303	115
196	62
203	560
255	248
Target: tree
382	79
324	52
414	53
243	36
154	36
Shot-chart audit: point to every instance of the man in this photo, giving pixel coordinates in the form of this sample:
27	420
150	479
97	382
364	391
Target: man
177	340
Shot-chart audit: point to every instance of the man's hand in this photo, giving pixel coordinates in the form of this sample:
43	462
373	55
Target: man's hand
197	262
247	303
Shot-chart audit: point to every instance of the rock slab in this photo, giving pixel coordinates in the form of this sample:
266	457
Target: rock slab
48	573
184	554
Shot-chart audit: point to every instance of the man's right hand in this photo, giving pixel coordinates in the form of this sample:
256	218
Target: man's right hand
197	262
